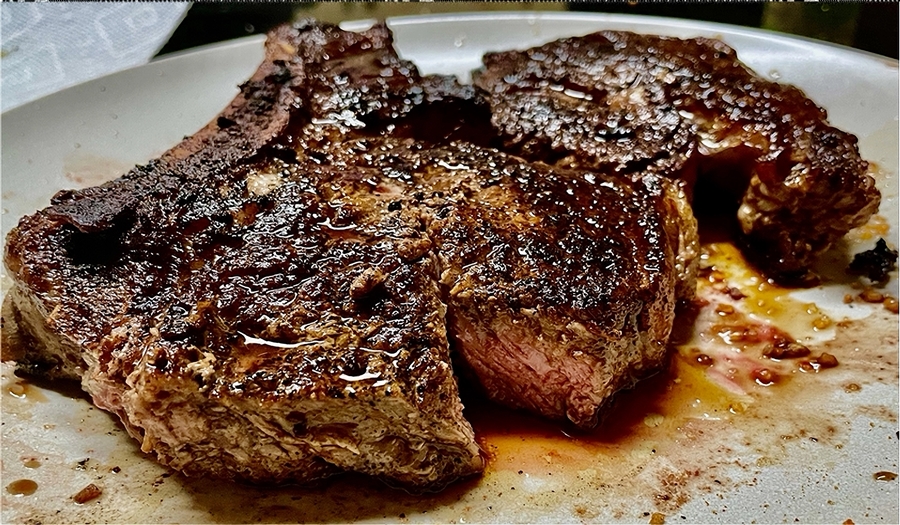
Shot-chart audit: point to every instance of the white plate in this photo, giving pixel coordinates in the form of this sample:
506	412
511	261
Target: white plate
810	457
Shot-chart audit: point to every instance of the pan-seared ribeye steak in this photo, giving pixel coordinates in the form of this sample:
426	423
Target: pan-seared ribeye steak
238	329
270	299
688	108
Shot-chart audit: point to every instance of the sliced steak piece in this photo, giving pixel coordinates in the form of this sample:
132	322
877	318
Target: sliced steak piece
252	336
688	108
231	318
560	284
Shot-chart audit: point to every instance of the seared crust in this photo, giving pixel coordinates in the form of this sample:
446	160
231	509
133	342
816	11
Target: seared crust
640	103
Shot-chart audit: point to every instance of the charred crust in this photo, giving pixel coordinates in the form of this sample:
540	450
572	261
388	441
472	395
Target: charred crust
875	264
225	122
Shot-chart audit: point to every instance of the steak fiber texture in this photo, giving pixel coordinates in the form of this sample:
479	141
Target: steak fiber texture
688	109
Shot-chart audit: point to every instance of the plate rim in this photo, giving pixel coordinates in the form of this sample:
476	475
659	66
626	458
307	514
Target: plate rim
681	23
557	16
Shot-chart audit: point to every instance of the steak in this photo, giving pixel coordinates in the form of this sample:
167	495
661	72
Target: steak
239	330
275	298
689	110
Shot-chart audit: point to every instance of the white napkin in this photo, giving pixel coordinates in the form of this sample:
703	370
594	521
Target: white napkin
50	46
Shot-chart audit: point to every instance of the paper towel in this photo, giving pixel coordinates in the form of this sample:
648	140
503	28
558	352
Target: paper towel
50	46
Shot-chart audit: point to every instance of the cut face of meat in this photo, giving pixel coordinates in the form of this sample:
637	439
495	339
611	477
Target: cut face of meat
561	287
687	109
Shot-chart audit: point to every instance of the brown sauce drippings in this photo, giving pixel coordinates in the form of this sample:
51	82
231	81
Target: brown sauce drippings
24	390
655	406
884	475
22	487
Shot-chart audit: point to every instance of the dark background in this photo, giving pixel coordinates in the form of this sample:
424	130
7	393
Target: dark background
868	26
